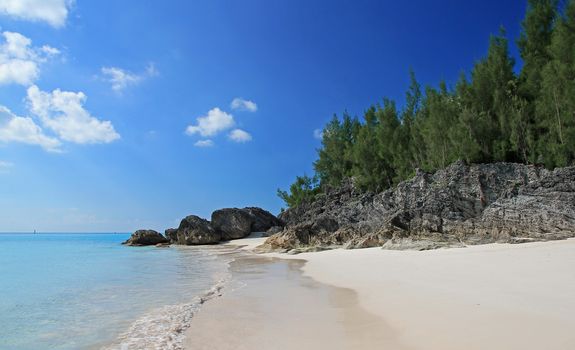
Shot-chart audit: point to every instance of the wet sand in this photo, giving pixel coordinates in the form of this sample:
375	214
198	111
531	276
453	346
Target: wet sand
269	304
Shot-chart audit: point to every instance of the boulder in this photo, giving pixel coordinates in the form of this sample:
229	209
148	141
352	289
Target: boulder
262	220
194	230
146	237
171	234
232	223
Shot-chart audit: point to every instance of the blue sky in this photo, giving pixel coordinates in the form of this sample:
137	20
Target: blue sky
119	115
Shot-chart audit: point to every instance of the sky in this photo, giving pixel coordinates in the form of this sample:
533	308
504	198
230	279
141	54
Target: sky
121	115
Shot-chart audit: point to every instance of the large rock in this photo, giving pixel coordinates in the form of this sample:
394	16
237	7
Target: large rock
145	237
194	230
485	203
262	220
171	234
232	223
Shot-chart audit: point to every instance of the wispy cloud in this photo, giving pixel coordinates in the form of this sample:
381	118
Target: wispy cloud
240	136
318	134
240	104
211	124
204	143
63	112
20	61
53	12
120	79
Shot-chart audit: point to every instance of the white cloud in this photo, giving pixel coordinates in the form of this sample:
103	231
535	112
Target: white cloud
121	79
318	134
204	143
63	113
243	105
211	124
239	135
24	130
53	12
20	61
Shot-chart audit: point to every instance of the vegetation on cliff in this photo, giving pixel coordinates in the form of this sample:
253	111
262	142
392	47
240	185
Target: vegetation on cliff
493	114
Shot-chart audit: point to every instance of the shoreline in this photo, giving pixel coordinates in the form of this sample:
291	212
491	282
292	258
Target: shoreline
270	304
497	296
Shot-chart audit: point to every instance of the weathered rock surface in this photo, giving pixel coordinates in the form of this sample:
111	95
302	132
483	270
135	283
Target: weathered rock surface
171	234
486	203
146	237
262	220
232	223
194	230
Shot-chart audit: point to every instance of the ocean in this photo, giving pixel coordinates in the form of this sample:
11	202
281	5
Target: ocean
87	291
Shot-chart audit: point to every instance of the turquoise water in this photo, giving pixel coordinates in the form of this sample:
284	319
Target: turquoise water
86	291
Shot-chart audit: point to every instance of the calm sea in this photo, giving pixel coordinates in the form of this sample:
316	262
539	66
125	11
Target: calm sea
86	291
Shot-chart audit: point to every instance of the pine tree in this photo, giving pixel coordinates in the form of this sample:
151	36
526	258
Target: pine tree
410	144
556	105
439	116
487	99
368	166
537	28
388	146
335	161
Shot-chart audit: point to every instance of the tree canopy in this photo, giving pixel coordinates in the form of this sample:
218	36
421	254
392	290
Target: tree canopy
494	115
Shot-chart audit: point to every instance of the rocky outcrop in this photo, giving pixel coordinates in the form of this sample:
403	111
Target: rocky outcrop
459	205
232	223
146	237
171	234
194	230
262	220
226	224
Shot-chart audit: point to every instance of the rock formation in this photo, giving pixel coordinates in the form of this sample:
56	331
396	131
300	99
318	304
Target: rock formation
262	220
145	237
232	223
226	224
459	205
194	230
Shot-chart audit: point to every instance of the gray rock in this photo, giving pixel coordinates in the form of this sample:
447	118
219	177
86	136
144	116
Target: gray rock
459	205
232	223
171	234
146	237
273	230
262	220
194	230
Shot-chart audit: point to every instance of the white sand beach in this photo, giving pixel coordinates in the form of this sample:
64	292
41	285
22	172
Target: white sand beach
496	296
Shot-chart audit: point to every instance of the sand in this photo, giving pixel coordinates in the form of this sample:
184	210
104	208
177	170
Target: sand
481	297
270	305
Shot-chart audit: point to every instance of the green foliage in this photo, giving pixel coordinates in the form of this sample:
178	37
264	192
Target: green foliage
494	116
556	102
304	189
335	157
